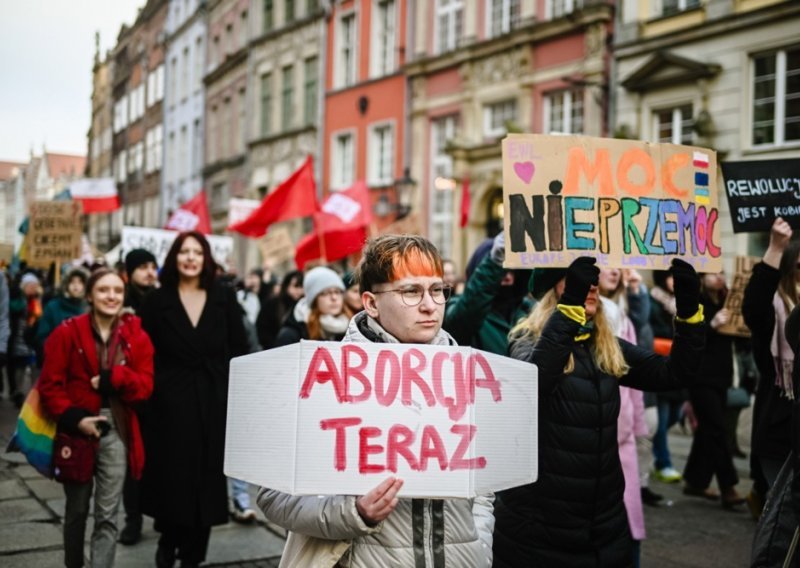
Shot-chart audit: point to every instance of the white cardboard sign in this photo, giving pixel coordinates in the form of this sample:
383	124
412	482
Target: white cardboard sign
159	241
327	418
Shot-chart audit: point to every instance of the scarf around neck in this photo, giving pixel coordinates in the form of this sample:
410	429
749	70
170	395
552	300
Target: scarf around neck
782	353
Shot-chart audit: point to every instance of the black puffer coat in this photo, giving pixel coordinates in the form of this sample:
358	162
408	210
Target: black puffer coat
574	514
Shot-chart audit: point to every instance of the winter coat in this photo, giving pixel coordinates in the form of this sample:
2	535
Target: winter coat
135	296
574	514
772	412
71	360
294	327
716	369
57	310
183	483
271	318
472	318
457	530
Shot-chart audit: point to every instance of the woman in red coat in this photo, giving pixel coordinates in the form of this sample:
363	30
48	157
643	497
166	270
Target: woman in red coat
96	365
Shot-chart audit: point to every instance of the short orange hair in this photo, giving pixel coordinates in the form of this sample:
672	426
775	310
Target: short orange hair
392	257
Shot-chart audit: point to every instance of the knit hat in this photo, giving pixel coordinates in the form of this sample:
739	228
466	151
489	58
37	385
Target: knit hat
543	279
319	279
136	258
28	278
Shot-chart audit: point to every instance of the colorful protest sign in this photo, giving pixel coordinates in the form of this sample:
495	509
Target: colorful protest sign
54	232
733	301
629	204
759	191
158	241
325	418
277	245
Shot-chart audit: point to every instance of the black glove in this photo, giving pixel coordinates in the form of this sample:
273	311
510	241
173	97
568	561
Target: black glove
582	274
686	284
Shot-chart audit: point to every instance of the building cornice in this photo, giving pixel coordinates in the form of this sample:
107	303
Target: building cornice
732	23
219	165
230	63
362	84
537	32
295	25
286	134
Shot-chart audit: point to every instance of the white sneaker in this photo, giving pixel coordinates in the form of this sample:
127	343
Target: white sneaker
668	475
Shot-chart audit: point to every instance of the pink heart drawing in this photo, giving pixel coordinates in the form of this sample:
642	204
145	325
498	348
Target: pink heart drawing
524	170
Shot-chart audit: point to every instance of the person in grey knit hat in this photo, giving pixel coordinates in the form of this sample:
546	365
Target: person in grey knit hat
320	314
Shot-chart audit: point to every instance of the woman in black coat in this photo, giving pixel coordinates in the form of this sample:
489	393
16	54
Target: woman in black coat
769	298
196	328
275	310
574	515
711	454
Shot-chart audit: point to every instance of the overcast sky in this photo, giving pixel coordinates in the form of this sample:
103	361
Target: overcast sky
46	57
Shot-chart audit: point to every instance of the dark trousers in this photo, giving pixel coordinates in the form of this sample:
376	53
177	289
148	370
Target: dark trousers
191	543
130	498
710	454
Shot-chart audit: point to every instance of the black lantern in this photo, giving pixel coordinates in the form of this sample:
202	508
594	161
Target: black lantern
404	190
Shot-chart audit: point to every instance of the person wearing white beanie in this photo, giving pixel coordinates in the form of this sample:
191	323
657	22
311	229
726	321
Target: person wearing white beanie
320	314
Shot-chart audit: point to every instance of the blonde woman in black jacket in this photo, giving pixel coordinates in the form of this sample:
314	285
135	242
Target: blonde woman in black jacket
574	515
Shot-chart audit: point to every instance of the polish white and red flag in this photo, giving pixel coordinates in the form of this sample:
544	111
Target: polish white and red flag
98	195
191	216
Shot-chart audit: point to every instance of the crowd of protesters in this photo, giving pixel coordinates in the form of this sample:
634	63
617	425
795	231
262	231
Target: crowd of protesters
136	357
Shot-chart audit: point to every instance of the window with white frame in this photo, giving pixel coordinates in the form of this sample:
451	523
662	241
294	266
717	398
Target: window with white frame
449	25
197	147
266	104
381	155
153	142
287	97
183	152
669	7
136	104
346	57
219	197
122	166
198	64
558	8
776	97
138	157
241	131
497	115
243	29
310	90
155	85
382	61
503	16
343	166
172	156
225	126
173	81
442	188
212	142
268	15
563	112
673	125
186	67
120	114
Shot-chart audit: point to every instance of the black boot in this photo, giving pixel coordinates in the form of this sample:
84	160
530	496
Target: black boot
132	532
165	557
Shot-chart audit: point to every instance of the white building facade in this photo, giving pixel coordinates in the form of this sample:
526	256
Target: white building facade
182	173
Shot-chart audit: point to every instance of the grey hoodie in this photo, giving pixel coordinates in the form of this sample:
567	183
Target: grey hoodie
413	534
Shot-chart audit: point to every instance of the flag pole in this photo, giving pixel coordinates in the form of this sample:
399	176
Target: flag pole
322	252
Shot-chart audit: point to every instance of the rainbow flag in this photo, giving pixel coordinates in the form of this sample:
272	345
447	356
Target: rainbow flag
35	434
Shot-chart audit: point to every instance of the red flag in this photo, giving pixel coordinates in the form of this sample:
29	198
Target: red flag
465	202
342	223
192	216
295	197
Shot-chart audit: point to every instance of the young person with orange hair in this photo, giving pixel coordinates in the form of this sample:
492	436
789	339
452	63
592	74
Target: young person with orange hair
400	278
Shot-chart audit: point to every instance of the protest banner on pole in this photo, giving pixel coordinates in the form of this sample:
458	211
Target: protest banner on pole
630	204
158	242
325	418
759	191
54	233
277	245
733	301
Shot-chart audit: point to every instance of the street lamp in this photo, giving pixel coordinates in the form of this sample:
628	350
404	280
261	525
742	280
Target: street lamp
404	193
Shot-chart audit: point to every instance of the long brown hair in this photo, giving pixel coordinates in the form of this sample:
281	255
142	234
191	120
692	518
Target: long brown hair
314	325
605	347
169	276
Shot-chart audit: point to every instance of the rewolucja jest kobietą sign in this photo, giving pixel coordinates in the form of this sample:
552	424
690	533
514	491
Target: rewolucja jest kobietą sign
628	203
323	418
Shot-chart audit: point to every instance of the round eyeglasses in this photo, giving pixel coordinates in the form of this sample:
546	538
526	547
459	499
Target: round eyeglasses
413	295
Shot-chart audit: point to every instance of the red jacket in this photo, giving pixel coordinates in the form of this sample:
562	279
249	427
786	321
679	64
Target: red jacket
71	361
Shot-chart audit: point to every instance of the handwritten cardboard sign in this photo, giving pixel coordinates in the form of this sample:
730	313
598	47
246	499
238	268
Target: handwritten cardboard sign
277	245
735	297
760	190
629	204
159	241
54	232
325	418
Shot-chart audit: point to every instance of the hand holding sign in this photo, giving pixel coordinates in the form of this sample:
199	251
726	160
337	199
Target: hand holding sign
582	274
379	503
687	288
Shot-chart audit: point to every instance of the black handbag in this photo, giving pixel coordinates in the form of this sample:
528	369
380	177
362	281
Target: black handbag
737	397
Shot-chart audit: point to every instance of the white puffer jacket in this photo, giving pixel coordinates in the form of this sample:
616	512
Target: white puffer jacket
430	533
